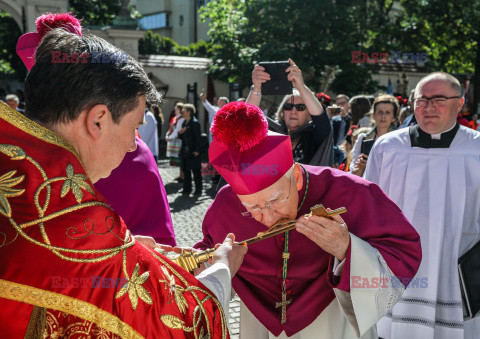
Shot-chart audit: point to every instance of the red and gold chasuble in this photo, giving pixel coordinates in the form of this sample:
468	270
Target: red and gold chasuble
69	267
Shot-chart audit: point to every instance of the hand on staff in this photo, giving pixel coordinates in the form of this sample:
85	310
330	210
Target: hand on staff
150	242
331	235
230	254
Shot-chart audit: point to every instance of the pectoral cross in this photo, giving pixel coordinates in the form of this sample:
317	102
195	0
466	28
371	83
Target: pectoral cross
283	304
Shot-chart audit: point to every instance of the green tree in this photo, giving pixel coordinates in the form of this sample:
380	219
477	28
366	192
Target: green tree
154	43
10	62
95	12
448	30
313	33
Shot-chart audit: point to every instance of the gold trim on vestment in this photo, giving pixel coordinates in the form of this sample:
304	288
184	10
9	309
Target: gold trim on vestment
56	301
20	121
38	323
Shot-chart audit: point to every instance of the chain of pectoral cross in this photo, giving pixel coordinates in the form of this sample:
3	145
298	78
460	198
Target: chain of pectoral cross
283	304
285	255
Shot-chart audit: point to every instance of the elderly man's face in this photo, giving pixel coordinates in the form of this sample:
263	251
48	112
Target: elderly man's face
276	203
221	103
434	119
119	139
12	103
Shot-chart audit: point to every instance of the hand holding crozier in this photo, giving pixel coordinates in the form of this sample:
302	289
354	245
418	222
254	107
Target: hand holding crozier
230	253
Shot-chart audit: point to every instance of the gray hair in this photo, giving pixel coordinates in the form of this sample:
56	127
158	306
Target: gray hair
12	97
279	114
442	76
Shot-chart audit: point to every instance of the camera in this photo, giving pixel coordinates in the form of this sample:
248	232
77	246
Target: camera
334	110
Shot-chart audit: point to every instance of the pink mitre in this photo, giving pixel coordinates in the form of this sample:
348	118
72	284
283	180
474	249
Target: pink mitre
248	156
27	44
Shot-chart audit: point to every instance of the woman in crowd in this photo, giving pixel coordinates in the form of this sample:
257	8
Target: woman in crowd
173	142
157	112
359	107
300	115
385	111
190	134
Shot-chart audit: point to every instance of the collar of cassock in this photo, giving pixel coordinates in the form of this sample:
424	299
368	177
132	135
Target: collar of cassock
421	139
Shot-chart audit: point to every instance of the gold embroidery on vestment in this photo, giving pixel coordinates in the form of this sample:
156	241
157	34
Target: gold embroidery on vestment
38	323
7	182
56	301
135	289
20	121
199	311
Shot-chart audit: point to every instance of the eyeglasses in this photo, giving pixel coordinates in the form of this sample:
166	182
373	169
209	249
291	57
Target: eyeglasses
257	213
288	106
437	101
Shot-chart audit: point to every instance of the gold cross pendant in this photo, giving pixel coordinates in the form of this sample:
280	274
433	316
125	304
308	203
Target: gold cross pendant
283	304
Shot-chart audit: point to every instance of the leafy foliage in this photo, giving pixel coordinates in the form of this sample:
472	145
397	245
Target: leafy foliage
10	62
313	33
447	29
95	12
319	33
154	43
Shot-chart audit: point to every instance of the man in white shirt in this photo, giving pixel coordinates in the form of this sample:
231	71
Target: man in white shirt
430	171
212	109
149	132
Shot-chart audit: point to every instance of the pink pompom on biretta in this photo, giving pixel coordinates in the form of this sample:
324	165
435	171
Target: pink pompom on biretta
49	21
243	151
27	44
239	125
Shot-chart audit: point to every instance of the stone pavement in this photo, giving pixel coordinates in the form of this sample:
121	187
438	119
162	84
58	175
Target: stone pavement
187	214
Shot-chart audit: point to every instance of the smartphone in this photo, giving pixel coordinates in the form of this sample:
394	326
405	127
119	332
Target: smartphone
278	83
367	146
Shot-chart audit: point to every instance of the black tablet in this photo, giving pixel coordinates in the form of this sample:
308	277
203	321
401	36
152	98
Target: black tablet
367	146
278	83
469	272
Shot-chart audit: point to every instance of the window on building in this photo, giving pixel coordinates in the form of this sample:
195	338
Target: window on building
155	21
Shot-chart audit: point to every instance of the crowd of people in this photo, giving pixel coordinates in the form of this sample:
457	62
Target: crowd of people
82	201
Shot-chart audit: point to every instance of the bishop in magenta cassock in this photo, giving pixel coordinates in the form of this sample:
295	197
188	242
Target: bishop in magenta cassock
326	279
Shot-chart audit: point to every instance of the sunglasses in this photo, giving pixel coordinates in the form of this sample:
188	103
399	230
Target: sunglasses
288	107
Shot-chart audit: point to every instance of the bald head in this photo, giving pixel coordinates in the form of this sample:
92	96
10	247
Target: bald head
441	76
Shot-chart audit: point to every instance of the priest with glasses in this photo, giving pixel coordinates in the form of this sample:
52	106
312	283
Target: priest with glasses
431	171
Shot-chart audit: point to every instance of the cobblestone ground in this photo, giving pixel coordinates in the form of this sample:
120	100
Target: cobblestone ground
187	214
